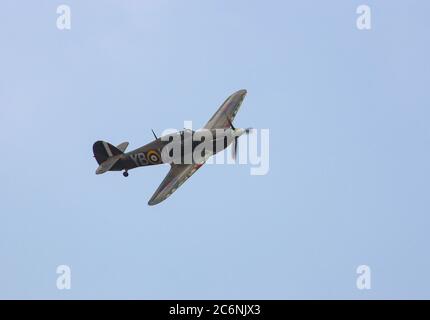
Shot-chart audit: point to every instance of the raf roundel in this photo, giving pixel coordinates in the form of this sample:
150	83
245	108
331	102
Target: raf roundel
153	156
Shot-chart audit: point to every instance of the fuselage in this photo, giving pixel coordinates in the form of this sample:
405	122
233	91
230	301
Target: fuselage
184	147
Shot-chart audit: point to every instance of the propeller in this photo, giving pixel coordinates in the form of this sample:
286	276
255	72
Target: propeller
236	138
234	148
231	124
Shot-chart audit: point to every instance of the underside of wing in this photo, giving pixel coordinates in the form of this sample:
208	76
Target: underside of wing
177	175
226	113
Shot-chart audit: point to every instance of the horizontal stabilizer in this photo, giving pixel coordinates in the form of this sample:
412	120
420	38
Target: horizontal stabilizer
108	164
122	146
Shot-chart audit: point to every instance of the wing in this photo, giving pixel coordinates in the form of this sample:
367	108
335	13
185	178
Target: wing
177	175
227	111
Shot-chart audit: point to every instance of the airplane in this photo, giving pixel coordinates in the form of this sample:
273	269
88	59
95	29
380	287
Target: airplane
111	158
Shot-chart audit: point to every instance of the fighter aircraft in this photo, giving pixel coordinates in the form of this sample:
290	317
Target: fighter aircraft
111	158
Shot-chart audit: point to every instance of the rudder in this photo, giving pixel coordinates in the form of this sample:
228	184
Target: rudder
104	150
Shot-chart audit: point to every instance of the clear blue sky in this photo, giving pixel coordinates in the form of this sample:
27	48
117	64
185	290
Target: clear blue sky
349	181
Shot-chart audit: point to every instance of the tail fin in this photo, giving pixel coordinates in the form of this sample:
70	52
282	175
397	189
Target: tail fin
104	150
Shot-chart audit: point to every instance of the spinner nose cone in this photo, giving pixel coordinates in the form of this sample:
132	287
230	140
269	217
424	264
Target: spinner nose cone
238	132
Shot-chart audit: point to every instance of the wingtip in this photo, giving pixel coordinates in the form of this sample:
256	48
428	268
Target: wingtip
156	200
153	201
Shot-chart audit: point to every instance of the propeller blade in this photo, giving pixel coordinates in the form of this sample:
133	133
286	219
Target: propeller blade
234	148
230	123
